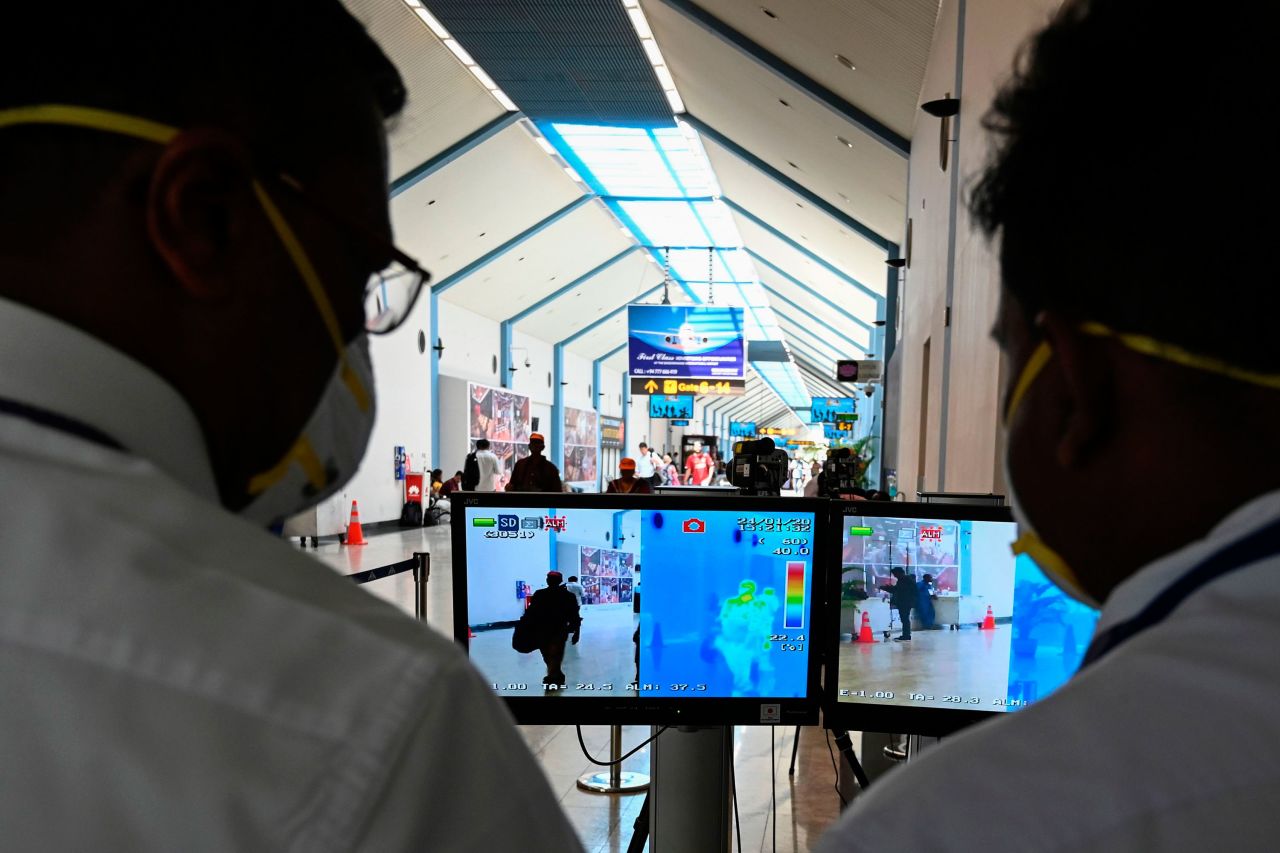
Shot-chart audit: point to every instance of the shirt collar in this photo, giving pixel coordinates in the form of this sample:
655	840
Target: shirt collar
54	366
1138	590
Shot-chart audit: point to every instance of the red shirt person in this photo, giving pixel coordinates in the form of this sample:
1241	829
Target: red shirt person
699	466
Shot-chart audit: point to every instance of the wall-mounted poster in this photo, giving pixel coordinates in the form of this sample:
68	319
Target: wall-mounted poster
607	576
580	433
502	417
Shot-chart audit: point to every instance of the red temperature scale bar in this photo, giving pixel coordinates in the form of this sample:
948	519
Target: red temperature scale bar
794	612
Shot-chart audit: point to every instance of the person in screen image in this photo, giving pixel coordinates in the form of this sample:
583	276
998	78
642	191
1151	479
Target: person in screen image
535	473
924	603
628	483
554	611
576	588
902	598
1105	387
745	622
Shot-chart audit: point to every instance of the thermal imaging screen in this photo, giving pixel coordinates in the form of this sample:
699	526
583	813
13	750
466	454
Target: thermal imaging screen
673	603
940	614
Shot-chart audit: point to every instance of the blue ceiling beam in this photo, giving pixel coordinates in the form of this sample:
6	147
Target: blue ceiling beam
781	397
816	319
816	258
571	286
869	125
857	226
756	256
469	142
488	257
591	327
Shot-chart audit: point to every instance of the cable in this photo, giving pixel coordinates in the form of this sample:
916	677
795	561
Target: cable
836	768
773	780
733	784
583	745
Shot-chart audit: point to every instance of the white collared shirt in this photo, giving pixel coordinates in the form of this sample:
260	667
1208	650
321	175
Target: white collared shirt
644	465
173	678
490	470
1169	742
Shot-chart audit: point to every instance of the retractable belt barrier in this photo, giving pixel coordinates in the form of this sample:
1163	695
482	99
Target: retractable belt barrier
419	564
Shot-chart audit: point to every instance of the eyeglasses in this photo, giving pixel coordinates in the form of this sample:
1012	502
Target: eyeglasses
391	292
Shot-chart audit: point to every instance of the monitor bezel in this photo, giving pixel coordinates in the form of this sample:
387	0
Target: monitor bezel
896	719
574	710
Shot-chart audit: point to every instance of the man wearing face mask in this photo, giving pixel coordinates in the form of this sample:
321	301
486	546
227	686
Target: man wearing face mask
1121	368
195	247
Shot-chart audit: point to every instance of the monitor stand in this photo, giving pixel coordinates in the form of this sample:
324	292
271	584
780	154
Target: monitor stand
690	799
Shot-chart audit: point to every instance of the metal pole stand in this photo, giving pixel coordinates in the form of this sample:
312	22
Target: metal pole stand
421	574
615	781
690	806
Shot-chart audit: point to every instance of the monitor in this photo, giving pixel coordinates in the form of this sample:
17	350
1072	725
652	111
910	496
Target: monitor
990	633
695	609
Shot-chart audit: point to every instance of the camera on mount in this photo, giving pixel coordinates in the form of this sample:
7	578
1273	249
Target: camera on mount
759	468
841	473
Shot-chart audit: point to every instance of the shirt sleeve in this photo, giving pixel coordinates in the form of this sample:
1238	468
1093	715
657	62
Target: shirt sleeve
464	758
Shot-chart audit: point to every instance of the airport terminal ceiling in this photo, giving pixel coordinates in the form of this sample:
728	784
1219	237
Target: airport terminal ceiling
567	153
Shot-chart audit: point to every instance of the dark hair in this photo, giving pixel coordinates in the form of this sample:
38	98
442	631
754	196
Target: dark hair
897	572
457	473
436	473
573	578
274	72
1117	191
482	444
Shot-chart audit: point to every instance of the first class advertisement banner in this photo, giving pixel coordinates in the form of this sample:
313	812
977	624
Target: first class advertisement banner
686	341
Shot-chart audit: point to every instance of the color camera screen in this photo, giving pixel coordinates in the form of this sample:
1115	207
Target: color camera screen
672	603
938	613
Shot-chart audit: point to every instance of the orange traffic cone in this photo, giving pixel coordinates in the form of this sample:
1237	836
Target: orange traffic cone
355	536
865	635
989	624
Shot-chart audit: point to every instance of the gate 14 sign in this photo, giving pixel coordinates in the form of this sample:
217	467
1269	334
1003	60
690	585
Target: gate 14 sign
685	341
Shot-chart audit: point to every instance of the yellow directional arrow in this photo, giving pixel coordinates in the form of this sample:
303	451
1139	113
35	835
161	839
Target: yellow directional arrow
651	386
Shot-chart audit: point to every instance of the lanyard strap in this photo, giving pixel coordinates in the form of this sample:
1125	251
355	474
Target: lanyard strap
1259	545
61	423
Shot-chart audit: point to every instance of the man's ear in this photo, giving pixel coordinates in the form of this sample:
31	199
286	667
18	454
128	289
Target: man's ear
1084	377
199	206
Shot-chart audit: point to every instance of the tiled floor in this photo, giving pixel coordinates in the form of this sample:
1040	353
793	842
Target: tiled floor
806	803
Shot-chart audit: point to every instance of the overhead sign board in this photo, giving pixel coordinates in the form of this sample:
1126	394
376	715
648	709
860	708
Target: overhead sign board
700	387
828	410
686	341
680	423
859	371
742	429
675	406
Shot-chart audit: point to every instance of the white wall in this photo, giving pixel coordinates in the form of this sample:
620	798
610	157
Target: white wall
992	32
402	382
533	381
471	343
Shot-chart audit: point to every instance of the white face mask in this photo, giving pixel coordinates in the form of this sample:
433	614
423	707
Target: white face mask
330	447
1048	560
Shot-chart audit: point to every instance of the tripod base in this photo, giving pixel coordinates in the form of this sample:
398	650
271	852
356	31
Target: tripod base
602	783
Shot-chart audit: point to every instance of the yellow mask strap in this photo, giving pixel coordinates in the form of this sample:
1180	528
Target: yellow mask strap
1176	354
1039	358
